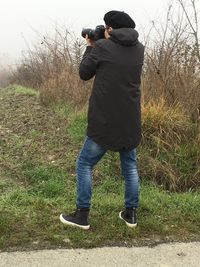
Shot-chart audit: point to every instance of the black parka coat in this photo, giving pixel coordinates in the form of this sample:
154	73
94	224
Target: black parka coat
114	113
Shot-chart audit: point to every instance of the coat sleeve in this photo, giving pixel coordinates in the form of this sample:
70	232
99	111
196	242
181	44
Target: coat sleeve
89	63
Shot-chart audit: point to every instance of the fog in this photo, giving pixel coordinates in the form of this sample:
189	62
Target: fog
20	19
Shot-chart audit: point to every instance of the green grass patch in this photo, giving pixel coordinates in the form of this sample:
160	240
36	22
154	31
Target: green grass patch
76	129
24	90
62	109
28	217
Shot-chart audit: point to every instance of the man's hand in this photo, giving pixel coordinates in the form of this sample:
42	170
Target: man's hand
89	41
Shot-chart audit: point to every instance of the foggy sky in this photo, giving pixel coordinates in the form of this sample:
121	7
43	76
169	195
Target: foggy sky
19	18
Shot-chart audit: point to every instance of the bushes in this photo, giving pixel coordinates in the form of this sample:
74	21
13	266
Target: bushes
165	126
52	68
170	151
170	72
66	88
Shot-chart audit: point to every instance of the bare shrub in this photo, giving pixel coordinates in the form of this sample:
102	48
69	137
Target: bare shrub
67	87
172	63
52	68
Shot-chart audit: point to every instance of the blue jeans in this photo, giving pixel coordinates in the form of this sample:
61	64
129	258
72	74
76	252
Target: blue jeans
89	155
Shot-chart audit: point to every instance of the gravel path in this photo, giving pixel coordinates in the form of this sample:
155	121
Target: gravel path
165	255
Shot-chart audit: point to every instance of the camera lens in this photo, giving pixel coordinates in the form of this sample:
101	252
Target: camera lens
89	32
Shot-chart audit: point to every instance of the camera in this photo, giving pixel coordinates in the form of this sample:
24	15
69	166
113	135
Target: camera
96	34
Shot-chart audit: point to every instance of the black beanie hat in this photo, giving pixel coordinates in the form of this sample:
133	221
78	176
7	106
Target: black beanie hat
118	19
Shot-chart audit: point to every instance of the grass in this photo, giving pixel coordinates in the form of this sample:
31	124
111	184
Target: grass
36	210
37	182
24	90
62	109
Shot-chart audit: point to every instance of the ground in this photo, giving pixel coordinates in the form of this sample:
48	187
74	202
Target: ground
38	150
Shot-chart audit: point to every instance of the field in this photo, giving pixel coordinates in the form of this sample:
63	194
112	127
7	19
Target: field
38	150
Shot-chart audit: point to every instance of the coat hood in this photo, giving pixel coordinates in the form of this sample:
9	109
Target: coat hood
124	36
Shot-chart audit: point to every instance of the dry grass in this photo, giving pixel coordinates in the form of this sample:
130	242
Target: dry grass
170	149
66	88
164	126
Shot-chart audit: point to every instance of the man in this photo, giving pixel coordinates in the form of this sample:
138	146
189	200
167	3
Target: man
114	115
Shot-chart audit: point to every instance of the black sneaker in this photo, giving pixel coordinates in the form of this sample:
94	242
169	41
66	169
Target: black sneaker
129	216
79	218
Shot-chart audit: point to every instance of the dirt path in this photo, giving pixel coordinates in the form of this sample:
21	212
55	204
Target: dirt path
165	255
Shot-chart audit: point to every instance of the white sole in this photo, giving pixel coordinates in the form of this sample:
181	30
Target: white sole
85	227
131	225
